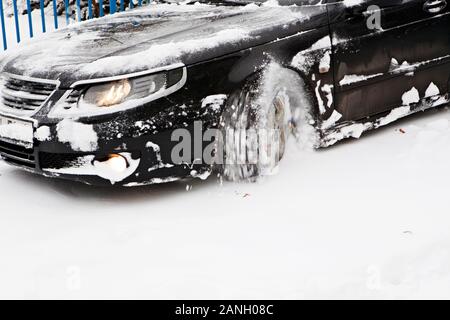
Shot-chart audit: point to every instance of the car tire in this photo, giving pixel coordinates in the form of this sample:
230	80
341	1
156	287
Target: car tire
257	122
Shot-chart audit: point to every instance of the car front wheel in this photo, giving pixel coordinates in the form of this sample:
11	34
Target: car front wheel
258	121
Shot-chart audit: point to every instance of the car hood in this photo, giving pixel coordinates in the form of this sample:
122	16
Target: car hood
155	36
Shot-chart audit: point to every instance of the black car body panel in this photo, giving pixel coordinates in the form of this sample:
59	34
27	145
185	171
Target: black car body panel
358	77
409	34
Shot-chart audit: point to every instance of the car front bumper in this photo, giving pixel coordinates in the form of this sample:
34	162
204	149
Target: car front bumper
153	161
146	139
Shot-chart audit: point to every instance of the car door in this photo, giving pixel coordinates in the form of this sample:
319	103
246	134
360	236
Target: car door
388	53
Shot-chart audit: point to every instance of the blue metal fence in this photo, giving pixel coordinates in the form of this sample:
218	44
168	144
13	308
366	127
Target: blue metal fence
113	8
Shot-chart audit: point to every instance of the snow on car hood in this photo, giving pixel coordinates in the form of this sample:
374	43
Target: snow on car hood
154	36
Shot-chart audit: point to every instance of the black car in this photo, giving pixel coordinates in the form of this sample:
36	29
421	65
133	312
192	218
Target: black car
173	90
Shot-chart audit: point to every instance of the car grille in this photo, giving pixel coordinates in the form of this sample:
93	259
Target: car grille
22	96
17	155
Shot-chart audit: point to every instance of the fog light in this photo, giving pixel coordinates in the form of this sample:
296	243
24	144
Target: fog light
114	162
114	167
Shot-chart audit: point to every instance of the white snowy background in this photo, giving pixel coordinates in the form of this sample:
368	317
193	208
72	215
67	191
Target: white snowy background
366	218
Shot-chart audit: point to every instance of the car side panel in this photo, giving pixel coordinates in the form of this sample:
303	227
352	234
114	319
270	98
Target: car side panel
368	79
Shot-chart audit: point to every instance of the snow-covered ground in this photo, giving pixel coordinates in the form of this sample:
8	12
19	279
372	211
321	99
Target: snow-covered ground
367	218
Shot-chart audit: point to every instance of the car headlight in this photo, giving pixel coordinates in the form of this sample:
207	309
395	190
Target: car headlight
106	95
96	97
117	92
